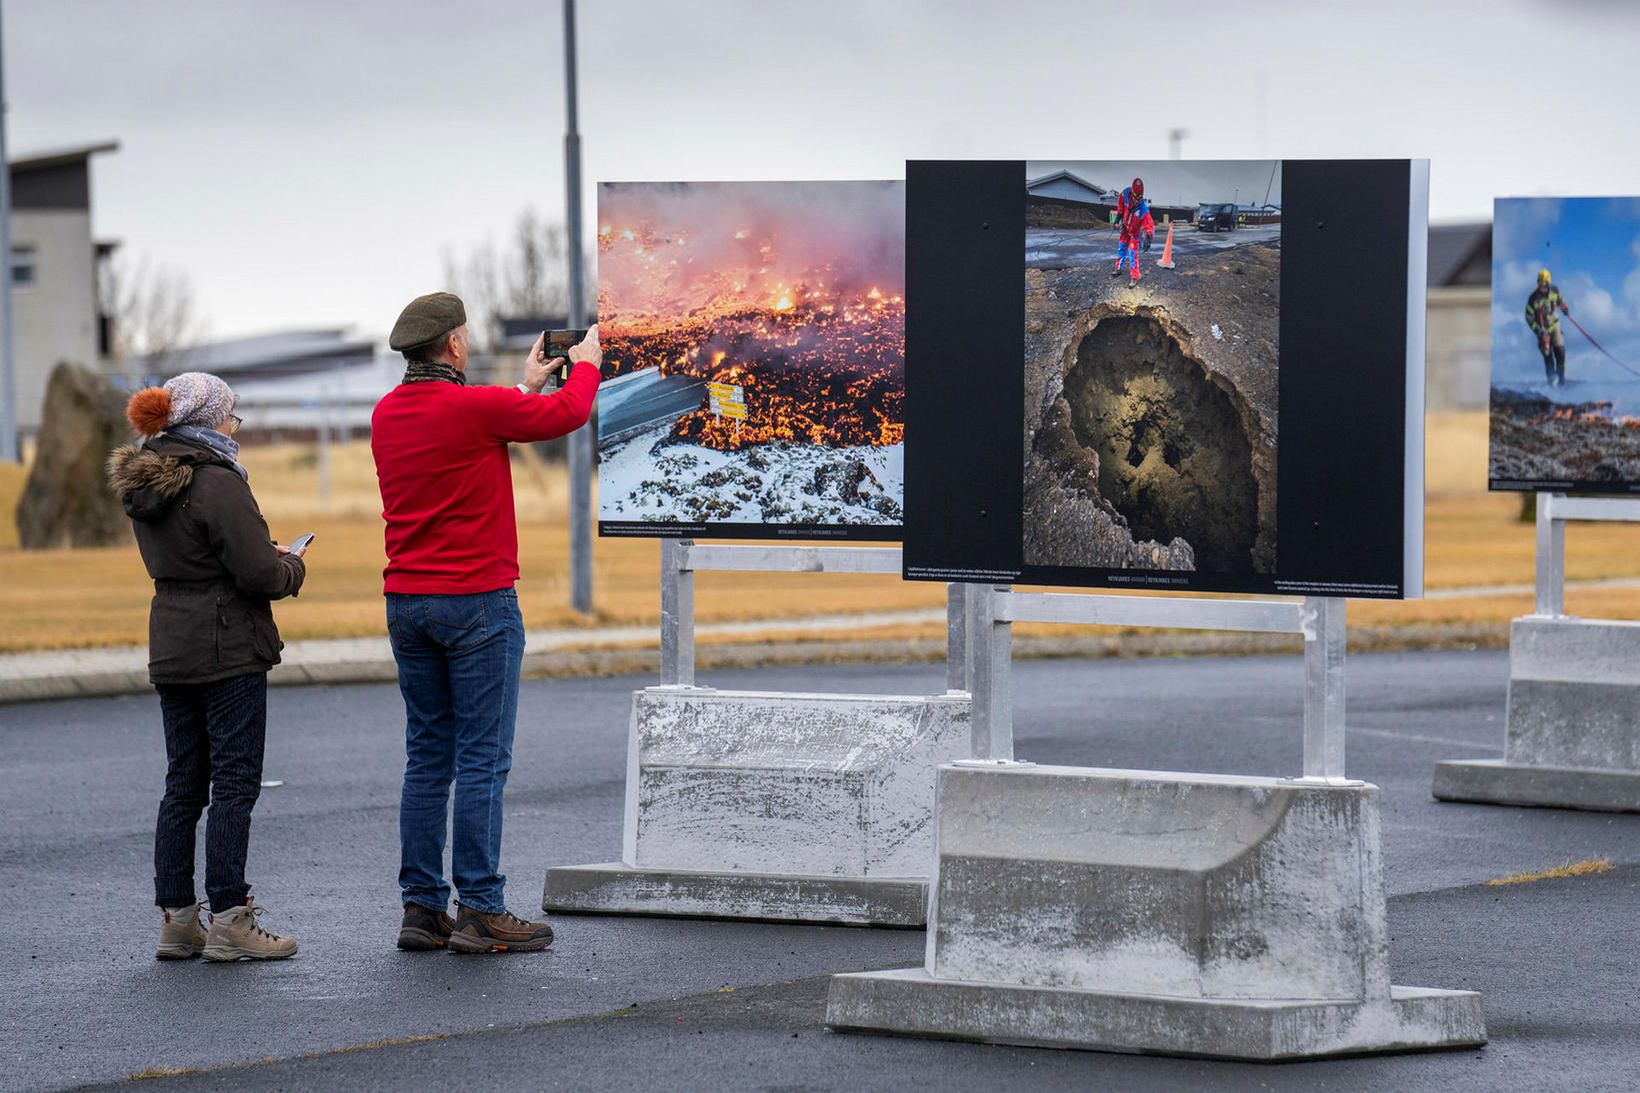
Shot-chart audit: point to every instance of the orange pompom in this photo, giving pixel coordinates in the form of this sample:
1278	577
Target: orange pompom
149	410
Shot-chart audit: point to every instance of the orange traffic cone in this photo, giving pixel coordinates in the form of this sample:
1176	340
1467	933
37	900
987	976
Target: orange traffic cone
1167	249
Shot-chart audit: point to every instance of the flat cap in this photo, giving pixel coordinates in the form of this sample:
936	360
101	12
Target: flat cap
425	318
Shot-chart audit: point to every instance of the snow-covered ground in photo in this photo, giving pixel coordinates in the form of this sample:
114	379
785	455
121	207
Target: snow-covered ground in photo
651	479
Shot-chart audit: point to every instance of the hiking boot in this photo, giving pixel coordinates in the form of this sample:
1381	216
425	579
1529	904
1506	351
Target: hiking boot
236	935
424	928
503	932
181	937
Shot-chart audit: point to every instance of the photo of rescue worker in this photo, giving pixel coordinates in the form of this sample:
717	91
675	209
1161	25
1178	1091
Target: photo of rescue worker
1540	316
1137	228
1150	422
1564	404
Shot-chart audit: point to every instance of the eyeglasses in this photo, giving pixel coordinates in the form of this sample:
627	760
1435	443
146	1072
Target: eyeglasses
237	423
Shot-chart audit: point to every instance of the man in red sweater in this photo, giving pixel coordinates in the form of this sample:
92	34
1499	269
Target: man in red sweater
452	613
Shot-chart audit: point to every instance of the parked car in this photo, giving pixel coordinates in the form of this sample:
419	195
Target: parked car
1212	218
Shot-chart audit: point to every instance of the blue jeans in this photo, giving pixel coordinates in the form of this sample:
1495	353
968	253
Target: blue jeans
459	659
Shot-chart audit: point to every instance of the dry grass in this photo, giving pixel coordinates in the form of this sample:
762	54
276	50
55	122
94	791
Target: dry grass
1570	869
83	598
12	477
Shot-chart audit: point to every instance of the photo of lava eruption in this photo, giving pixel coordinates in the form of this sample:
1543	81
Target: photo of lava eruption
754	358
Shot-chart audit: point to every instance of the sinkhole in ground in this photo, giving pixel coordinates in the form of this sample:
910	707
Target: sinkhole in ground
1174	456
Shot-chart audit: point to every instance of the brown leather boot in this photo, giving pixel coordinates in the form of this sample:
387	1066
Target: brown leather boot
181	937
504	932
424	928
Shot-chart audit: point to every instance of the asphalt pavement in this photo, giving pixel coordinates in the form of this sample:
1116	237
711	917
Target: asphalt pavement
650	1003
648	398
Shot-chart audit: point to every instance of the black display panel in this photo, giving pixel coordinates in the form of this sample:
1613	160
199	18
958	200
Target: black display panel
1245	416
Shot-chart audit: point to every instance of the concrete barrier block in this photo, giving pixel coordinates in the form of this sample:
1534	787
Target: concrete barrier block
1572	733
787	807
913	1003
1186	885
1177	914
812	784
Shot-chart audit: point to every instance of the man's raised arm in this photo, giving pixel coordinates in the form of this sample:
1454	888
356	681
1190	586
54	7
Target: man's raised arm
520	414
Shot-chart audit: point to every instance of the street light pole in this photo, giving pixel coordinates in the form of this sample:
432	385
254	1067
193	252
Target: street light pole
9	448
580	441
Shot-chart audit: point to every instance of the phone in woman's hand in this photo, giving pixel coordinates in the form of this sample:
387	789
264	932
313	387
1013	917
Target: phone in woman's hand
301	543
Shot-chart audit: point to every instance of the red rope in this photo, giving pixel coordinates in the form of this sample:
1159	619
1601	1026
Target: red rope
1598	346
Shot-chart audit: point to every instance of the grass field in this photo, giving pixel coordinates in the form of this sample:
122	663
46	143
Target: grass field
79	598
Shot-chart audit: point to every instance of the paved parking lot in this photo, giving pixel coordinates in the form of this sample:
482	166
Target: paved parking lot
642	1003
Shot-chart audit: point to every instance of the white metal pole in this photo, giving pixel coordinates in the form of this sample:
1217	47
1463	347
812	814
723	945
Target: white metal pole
9	446
1551	557
677	614
324	444
1324	647
580	441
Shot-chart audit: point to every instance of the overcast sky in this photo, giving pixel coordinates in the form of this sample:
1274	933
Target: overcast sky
308	162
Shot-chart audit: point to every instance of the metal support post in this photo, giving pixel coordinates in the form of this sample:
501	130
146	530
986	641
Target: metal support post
677	614
1551	556
958	662
10	449
580	441
993	703
1324	643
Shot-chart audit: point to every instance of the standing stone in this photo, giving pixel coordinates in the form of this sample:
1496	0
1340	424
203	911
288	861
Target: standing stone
67	502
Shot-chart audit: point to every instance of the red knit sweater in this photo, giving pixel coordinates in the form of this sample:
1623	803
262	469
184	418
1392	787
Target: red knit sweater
446	482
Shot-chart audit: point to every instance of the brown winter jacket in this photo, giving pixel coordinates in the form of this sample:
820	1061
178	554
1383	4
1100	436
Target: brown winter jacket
214	566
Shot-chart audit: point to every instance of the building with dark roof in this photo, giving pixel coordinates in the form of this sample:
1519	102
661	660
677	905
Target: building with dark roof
54	271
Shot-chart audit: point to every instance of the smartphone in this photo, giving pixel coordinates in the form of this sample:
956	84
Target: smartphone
301	543
557	343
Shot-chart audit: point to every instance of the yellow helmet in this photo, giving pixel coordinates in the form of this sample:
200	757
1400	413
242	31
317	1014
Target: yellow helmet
1543	276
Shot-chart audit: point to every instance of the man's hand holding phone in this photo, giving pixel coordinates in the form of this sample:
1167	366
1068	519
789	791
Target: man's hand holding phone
553	354
536	368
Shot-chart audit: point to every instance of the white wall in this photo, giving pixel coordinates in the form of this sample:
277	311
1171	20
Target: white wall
56	316
1459	355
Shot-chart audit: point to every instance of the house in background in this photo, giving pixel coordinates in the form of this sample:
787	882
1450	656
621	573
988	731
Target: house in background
1066	186
54	270
1458	338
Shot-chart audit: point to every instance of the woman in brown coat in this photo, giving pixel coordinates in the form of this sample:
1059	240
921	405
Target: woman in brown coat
211	641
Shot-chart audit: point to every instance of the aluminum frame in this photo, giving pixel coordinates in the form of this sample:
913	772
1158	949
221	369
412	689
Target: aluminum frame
1319	620
681	558
1553	512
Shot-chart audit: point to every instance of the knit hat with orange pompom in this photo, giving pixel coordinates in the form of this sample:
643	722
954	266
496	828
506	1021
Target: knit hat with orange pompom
193	398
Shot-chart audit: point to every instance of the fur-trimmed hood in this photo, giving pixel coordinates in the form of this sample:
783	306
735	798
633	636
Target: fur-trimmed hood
149	477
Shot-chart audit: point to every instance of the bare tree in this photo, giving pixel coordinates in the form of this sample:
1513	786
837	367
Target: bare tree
475	278
529	276
536	268
153	311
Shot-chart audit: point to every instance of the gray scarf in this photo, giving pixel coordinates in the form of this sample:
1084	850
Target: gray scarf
433	372
225	446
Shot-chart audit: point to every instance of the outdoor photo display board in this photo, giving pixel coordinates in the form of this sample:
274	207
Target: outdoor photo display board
754	359
1565	405
1211	381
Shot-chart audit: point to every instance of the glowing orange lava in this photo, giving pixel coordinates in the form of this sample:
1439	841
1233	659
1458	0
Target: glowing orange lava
818	349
